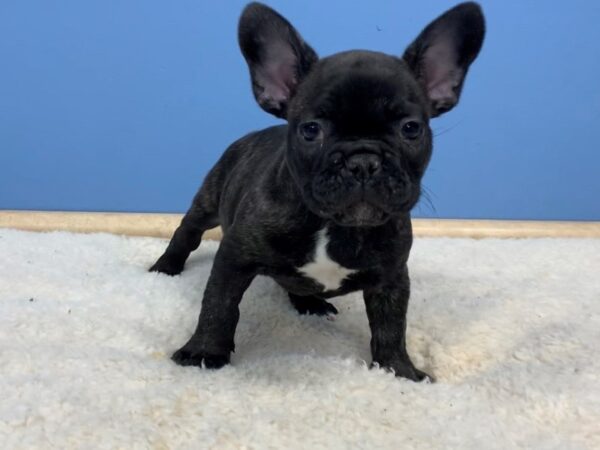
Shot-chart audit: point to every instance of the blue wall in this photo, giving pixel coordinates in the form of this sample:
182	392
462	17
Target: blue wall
124	105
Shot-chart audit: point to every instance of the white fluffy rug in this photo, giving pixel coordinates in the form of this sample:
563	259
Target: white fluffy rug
510	329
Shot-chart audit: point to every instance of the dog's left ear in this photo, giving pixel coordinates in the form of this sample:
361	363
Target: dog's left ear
440	57
277	56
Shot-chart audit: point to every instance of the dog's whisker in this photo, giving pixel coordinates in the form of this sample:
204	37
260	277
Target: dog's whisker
446	130
426	200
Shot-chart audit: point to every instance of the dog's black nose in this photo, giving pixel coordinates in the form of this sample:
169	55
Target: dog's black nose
364	165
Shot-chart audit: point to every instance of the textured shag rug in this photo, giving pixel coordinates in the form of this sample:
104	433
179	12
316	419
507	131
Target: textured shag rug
510	329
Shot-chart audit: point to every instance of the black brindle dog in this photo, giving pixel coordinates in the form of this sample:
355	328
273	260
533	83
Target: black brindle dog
322	204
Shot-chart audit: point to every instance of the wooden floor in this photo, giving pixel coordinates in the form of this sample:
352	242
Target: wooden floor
163	225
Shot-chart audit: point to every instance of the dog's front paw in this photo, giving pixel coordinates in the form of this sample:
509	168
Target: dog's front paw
419	376
188	356
406	370
167	265
312	305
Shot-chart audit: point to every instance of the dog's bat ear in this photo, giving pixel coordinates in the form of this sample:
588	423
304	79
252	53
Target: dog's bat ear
277	56
441	55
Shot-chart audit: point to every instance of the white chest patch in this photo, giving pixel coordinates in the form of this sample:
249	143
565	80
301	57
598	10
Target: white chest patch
323	269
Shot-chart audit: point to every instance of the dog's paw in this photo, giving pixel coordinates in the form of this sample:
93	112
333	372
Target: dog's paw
404	370
421	377
167	266
313	305
189	357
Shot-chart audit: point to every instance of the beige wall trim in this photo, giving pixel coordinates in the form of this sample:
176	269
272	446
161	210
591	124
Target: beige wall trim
163	225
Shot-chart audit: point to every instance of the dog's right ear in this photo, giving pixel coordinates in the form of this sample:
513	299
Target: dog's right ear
277	56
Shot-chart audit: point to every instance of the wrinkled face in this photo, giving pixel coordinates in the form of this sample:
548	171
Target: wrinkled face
359	139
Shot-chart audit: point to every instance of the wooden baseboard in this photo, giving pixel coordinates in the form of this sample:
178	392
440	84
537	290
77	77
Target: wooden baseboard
131	224
163	225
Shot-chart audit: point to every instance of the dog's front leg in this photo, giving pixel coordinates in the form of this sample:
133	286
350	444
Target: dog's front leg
213	341
386	306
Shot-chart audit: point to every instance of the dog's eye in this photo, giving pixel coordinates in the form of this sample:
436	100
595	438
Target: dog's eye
411	129
310	131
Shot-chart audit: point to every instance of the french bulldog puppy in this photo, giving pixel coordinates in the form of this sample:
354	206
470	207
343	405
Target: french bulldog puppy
322	204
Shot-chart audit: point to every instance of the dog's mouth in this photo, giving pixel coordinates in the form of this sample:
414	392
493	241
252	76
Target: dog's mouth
360	204
360	214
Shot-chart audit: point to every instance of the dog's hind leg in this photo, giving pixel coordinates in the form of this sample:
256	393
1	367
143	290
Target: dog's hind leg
202	216
312	305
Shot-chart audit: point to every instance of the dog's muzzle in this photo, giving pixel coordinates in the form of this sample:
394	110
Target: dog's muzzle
360	189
